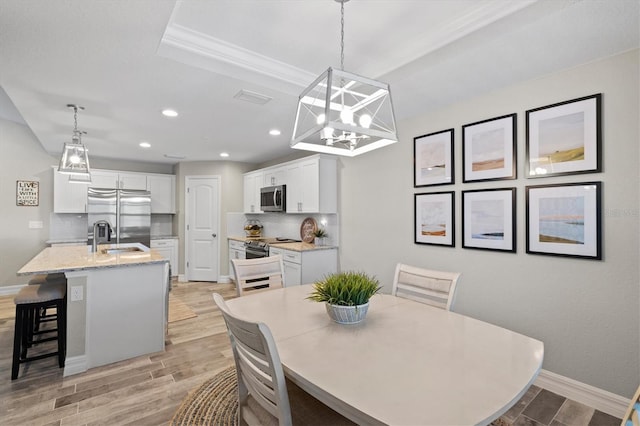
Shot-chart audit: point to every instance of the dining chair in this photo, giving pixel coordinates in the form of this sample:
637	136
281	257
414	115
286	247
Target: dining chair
264	397
631	417
260	273
435	288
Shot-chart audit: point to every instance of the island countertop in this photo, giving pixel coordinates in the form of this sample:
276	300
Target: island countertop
78	258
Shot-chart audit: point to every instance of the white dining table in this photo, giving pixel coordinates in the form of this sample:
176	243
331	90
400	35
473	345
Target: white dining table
407	363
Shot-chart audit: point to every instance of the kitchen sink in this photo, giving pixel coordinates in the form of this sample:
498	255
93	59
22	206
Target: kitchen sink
121	250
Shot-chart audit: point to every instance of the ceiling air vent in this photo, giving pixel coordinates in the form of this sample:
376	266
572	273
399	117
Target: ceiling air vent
253	97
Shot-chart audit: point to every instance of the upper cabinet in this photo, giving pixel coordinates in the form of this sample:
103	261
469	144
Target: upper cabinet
163	193
311	185
275	176
252	183
68	197
118	180
72	197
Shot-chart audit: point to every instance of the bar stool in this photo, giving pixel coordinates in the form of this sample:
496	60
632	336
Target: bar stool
46	279
29	303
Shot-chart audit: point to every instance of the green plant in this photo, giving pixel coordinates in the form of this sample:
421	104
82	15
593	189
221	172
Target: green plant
320	233
345	288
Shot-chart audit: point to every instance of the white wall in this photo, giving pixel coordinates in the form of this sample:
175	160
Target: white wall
585	311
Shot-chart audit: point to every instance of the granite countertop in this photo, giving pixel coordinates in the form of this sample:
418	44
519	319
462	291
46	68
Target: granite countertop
84	240
78	258
294	246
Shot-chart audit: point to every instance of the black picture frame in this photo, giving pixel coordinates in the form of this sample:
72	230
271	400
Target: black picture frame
564	138
434	221
489	149
489	219
433	162
565	220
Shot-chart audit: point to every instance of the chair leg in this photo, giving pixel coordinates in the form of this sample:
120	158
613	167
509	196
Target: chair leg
61	332
17	342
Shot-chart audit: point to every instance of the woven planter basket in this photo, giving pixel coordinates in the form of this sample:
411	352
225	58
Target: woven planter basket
347	314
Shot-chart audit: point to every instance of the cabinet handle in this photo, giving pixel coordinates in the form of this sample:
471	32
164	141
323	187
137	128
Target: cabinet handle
214	235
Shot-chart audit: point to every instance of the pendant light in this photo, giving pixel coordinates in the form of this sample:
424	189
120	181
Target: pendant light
75	159
344	113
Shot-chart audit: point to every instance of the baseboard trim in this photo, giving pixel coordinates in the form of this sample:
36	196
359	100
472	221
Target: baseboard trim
10	289
583	393
224	279
182	278
75	365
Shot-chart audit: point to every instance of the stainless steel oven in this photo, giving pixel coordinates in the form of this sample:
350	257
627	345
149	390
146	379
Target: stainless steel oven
256	249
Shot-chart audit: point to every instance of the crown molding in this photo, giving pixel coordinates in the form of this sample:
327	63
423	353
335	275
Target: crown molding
216	51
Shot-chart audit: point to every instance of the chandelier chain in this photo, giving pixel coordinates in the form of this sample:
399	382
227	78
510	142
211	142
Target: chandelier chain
75	119
342	35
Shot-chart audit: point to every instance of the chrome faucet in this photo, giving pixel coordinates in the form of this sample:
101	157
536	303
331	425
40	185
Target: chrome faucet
100	225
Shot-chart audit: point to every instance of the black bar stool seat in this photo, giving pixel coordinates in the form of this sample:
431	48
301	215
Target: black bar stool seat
30	301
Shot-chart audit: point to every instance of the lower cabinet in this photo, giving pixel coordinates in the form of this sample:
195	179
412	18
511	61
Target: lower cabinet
169	249
236	251
308	266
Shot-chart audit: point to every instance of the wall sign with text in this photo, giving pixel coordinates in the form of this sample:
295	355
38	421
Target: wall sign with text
27	192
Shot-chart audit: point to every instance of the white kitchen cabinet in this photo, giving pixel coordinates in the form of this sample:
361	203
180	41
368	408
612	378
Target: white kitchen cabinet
313	185
118	180
275	176
236	251
68	197
163	193
308	266
253	181
168	247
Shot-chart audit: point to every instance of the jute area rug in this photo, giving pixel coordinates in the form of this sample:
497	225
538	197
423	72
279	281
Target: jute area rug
216	403
178	310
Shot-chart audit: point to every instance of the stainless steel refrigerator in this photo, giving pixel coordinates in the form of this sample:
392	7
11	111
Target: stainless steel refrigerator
127	211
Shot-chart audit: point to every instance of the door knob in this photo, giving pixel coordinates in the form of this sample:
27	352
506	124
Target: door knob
214	235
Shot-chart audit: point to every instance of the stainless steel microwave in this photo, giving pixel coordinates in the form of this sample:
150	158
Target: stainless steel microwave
273	198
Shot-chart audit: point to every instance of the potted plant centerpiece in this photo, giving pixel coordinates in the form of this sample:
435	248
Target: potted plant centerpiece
346	295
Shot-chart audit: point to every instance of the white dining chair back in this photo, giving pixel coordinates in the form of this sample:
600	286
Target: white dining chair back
435	288
260	272
632	416
258	368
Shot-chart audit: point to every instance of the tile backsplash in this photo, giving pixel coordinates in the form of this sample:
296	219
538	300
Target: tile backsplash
73	226
283	225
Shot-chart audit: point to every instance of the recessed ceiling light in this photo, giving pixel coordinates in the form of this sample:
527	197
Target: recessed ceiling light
274	132
169	113
145	144
224	154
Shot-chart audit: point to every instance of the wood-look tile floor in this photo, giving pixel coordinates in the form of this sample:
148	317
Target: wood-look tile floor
148	389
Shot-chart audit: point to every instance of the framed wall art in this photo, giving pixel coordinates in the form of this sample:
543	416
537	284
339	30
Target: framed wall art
27	193
489	219
489	149
564	138
433	159
434	222
564	220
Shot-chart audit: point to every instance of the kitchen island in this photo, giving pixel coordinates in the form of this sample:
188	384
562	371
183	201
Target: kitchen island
116	301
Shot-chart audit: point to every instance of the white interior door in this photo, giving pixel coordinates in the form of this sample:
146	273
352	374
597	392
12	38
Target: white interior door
202	248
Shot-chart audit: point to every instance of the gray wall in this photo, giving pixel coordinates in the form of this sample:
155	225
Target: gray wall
22	159
231	200
585	311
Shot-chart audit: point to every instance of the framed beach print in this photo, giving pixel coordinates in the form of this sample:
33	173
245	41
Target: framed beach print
489	219
564	220
489	149
564	138
433	159
434	223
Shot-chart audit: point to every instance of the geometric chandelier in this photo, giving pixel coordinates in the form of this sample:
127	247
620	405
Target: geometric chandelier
75	157
343	113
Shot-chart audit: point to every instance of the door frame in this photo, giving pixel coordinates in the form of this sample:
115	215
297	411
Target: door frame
187	241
